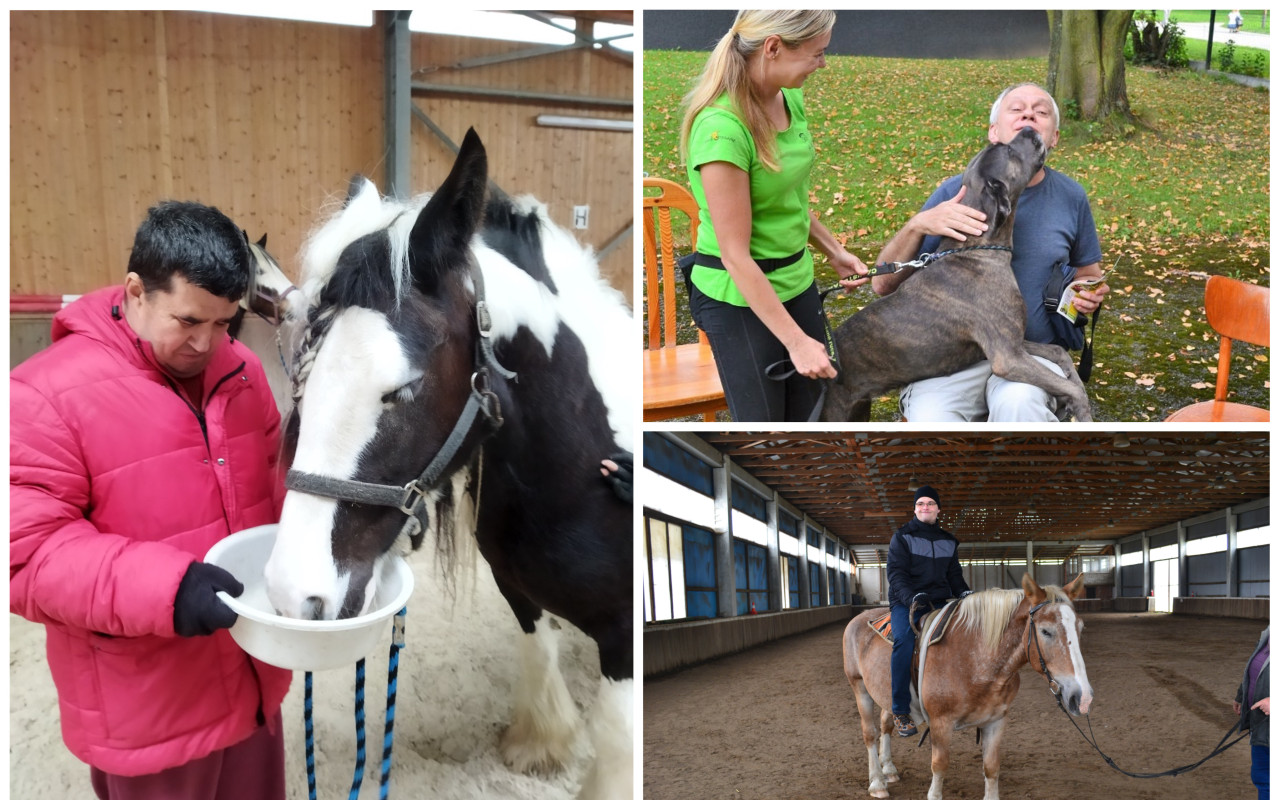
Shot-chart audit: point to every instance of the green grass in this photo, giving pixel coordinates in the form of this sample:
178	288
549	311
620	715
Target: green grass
1196	49
1182	195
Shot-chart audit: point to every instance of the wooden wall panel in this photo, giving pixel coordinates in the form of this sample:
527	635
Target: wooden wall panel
562	167
111	112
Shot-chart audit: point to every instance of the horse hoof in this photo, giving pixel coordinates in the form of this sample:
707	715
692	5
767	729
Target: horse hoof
880	793
526	754
892	778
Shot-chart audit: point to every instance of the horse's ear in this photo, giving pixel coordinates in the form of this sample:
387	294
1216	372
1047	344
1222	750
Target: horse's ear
263	242
1075	588
441	237
1032	589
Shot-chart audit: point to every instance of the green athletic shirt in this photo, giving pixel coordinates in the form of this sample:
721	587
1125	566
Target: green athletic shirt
779	200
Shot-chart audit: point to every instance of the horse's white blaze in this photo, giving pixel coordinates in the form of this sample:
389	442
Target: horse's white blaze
1072	628
359	361
612	731
544	721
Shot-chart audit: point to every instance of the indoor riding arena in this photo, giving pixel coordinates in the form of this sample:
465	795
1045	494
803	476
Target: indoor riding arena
745	695
268	119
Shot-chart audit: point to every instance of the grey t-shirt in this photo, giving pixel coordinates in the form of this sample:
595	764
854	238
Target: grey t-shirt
1053	226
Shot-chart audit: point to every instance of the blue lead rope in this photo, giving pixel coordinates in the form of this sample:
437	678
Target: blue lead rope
388	730
358	778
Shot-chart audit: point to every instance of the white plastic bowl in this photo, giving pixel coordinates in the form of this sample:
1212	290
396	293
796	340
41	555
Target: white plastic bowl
296	644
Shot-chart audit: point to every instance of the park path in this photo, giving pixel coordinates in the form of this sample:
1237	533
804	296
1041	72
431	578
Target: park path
1200	30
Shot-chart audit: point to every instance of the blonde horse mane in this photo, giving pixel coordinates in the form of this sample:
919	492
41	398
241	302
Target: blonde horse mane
990	611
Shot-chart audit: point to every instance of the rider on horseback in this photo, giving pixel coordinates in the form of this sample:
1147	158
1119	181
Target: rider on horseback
923	567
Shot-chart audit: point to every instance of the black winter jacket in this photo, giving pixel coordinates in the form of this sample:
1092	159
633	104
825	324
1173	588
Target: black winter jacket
923	558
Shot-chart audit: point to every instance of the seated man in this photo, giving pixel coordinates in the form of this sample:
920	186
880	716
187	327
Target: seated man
1053	230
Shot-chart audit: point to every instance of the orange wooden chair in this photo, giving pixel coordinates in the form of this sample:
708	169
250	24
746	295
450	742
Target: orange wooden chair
680	380
1236	310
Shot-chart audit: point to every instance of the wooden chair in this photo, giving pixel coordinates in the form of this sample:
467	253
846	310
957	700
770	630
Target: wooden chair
680	380
1236	310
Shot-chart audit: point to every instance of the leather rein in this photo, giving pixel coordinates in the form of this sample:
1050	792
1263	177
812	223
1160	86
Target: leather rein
482	405
1056	690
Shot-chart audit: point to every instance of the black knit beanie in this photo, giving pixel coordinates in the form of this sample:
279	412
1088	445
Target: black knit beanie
930	492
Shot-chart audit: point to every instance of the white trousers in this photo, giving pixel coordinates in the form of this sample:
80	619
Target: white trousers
976	394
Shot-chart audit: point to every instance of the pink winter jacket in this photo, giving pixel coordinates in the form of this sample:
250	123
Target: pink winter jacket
116	486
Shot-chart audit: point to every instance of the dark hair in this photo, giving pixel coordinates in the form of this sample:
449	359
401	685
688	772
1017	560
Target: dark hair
195	241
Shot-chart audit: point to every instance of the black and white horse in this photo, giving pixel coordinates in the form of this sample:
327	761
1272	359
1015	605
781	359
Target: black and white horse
460	375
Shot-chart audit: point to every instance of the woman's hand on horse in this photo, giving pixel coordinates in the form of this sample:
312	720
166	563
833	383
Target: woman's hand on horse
951	219
847	266
809	357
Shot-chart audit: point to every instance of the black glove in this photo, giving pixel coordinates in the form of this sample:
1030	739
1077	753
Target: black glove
920	598
966	593
197	611
621	478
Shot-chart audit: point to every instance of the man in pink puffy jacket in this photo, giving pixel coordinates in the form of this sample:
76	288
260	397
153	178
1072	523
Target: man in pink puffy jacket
138	439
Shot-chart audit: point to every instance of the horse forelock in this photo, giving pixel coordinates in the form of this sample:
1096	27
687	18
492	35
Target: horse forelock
362	216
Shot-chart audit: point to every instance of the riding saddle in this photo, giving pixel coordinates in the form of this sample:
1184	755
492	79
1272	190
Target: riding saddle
884	628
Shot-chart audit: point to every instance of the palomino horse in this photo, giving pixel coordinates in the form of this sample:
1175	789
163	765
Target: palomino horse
478	339
970	677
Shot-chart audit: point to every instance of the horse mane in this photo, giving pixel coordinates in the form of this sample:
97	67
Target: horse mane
991	610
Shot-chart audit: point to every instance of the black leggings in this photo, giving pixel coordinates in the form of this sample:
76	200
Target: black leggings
744	347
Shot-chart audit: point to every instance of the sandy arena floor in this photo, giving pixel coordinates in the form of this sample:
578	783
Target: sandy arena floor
780	722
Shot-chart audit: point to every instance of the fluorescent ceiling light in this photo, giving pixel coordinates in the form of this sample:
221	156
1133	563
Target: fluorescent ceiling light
587	123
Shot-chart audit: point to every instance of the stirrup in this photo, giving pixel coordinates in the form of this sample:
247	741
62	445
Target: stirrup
904	725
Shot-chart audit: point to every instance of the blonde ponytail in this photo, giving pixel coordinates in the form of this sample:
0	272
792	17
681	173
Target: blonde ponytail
727	72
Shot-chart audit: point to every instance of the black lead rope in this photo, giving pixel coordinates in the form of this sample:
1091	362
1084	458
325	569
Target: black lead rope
1092	739
784	369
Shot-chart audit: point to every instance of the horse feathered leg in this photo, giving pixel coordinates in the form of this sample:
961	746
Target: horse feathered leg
612	729
941	734
612	725
877	782
886	742
544	720
991	735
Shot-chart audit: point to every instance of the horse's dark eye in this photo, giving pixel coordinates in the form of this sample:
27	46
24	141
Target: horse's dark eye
1046	633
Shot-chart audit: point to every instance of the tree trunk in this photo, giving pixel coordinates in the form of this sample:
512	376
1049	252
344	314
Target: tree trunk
1086	62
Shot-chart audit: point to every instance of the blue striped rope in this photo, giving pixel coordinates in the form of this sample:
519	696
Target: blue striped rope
358	778
393	670
388	729
311	741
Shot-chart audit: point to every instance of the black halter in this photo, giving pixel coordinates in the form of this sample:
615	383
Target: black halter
410	498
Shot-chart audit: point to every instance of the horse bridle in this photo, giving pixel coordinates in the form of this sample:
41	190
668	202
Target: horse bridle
1054	688
482	403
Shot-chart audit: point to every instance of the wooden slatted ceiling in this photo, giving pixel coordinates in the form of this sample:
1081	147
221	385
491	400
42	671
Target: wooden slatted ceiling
1004	489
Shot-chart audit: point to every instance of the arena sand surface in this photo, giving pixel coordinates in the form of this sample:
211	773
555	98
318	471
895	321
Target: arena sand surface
456	680
780	722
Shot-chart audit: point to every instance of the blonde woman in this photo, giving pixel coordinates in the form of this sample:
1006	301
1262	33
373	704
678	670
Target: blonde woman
748	151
